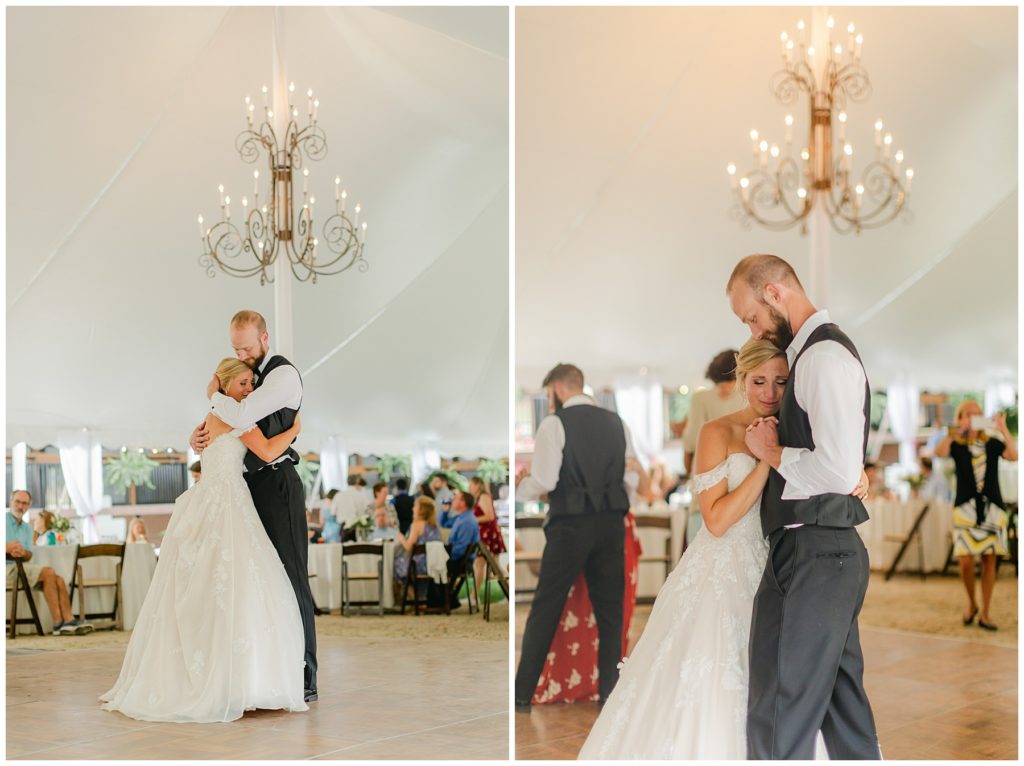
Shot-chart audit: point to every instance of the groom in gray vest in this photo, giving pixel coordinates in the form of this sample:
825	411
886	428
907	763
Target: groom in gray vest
579	461
806	665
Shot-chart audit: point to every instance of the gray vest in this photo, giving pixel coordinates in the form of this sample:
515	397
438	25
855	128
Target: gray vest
828	510
276	422
593	464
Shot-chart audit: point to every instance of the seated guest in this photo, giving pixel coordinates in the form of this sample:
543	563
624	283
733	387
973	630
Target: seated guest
330	532
464	536
876	481
380	501
935	485
383	528
402	503
55	591
423	530
43	528
196	469
137	531
348	506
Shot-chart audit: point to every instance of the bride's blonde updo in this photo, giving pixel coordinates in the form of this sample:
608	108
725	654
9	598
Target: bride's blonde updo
752	355
229	369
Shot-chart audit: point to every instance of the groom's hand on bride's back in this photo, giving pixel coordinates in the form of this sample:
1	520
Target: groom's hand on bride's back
200	438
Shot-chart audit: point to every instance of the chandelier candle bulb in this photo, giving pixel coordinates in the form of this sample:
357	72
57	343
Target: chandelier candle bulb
850	40
255	184
200	227
860	42
899	157
842	126
878	134
305	181
344	197
227	208
731	170
910	179
774	151
316	106
358	208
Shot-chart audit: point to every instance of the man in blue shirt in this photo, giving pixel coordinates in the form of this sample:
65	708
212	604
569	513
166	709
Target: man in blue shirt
55	591
464	536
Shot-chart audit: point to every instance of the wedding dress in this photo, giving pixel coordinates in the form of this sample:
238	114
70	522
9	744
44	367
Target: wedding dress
682	693
219	632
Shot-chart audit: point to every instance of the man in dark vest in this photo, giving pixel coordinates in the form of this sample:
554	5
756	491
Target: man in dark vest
806	664
579	461
277	491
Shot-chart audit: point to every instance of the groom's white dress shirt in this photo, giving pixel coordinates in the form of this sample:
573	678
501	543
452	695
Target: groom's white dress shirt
829	387
281	388
547	455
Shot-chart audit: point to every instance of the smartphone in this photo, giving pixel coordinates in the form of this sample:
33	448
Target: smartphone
978	423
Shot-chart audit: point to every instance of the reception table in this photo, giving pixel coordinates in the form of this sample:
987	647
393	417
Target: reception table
139	565
893	517
325	563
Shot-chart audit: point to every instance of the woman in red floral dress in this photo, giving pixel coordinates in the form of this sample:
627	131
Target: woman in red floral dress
490	532
570	671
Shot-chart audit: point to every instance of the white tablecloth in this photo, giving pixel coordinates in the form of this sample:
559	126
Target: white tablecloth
892	517
325	563
139	566
652	540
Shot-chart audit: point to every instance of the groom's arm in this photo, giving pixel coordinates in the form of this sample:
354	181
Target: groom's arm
830	388
547	460
281	388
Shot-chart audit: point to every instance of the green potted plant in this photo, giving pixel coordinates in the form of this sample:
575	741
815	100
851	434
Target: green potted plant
494	472
307	471
130	470
393	465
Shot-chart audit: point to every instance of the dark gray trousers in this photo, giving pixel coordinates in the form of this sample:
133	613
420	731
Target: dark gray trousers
593	544
806	665
280	501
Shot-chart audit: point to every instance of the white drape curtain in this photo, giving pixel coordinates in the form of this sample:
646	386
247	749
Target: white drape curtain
903	401
19	463
81	460
333	464
640	402
425	460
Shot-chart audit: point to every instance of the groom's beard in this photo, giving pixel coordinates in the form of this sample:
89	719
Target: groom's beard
780	334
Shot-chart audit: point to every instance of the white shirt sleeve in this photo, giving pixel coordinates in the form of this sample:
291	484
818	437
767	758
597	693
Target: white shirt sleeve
830	389
547	460
281	388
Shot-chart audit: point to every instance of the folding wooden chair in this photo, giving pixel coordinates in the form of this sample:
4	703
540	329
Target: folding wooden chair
493	567
912	535
362	549
414	576
21	584
467	575
110	550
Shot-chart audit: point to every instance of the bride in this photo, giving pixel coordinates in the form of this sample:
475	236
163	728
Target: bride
219	632
682	693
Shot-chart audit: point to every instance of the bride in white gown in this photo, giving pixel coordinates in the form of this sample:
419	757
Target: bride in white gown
682	692
219	632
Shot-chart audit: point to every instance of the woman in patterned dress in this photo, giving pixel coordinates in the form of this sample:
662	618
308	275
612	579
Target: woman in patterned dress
490	531
980	520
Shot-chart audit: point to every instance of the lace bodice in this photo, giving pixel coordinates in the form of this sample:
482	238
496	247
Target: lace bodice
224	456
736	467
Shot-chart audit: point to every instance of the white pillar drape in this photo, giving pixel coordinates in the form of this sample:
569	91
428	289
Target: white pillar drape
640	402
999	394
19	464
425	460
333	464
903	401
81	460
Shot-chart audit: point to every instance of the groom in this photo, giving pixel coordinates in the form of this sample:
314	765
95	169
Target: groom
276	489
806	665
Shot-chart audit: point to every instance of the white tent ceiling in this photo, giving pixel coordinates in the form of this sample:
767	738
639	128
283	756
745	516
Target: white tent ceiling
120	124
625	122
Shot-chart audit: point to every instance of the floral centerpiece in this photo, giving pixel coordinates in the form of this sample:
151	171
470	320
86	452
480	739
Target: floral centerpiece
61	528
362	525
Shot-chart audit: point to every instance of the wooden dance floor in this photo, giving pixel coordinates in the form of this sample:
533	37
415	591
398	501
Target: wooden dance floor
933	698
395	698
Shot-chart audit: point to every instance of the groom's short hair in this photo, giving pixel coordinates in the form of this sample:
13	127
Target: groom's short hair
569	374
761	269
245	317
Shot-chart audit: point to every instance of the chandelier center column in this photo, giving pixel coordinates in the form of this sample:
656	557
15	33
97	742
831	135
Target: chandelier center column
283	336
821	138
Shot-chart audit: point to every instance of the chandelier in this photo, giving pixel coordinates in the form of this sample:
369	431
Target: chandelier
780	191
278	227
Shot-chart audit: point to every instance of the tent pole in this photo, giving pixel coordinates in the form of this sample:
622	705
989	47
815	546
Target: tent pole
282	337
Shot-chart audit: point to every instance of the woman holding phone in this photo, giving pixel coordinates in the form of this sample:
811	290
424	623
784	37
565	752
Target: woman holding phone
980	519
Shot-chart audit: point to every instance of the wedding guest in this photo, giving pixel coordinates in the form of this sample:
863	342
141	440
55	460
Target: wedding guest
876	481
403	505
137	531
935	486
980	519
463	538
55	591
425	490
196	469
383	529
380	502
424	529
579	461
490	531
713	403
43	528
348	506
442	491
